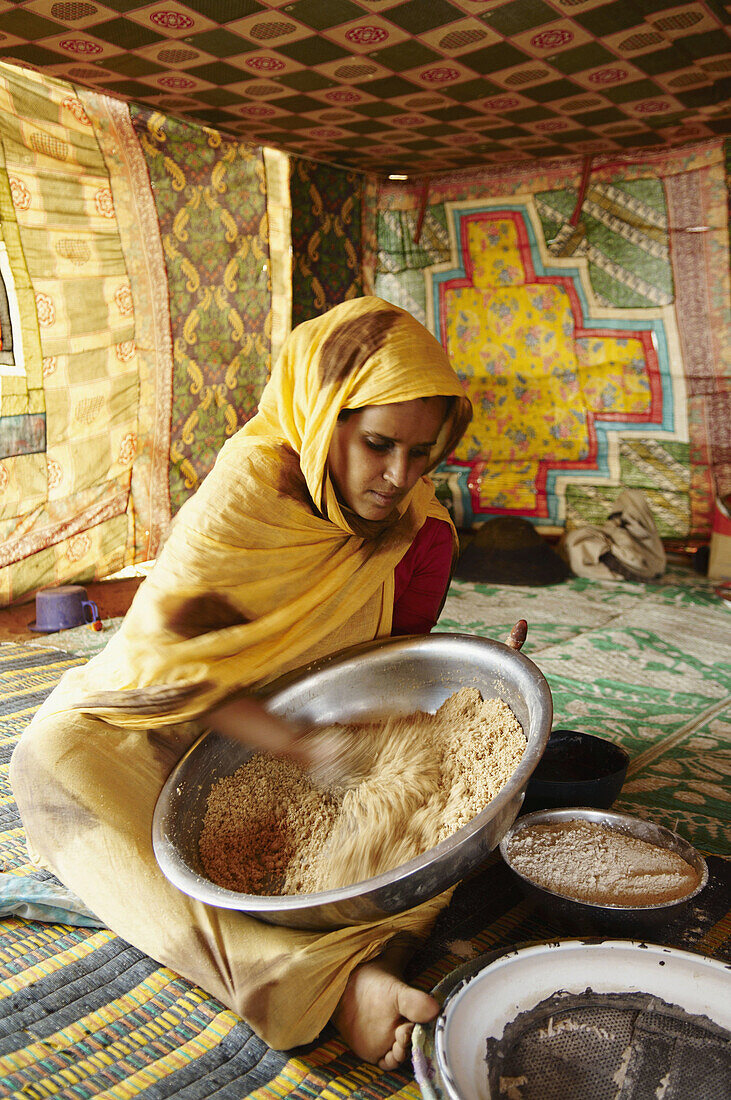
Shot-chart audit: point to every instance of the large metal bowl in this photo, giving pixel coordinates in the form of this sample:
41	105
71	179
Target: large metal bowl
392	676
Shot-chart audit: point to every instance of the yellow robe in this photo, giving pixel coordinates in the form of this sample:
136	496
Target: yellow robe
262	572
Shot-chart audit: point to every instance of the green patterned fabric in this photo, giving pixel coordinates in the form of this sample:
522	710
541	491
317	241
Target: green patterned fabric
401	258
398	249
593	503
211	204
406	290
326	238
623	232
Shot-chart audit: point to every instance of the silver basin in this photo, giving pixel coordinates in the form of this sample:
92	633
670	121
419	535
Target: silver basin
391	676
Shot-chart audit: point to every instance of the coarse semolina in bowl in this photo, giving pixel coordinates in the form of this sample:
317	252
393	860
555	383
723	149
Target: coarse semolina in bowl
393	676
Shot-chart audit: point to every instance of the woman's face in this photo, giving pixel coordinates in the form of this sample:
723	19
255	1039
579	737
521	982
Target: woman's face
379	453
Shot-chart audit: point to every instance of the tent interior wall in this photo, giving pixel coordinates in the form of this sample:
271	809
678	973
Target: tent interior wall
151	265
545	185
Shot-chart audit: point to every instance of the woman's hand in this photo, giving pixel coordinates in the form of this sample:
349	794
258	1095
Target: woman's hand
245	719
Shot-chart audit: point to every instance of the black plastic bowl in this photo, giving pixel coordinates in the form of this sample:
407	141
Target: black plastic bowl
576	769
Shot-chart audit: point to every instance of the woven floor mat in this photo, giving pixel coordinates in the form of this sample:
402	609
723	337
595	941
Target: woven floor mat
83	1014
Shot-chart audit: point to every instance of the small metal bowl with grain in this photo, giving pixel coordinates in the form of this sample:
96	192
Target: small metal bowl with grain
551	853
399	676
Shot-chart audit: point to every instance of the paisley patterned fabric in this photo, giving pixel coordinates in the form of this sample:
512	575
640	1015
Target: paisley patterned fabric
326	244
211	205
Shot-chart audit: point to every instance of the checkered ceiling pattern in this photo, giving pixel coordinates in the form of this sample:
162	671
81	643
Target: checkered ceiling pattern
413	86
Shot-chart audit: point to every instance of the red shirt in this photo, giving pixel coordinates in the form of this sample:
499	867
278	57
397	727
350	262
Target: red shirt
421	579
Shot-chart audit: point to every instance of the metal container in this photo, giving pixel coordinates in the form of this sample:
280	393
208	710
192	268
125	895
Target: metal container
594	917
391	676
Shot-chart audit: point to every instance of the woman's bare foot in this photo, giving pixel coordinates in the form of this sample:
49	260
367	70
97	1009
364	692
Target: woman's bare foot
378	1010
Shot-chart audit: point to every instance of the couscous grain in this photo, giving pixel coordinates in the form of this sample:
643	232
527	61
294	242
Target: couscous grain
269	830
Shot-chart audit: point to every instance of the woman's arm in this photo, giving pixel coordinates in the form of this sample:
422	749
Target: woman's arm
244	719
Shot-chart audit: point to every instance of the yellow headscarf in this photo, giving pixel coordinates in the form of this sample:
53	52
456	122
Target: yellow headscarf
263	571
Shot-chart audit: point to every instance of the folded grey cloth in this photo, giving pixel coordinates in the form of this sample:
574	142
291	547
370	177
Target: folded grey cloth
33	899
626	547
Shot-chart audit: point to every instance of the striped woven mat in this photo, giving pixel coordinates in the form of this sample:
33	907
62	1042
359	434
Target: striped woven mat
83	1014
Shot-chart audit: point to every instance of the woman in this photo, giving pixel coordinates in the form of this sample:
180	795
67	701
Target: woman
315	530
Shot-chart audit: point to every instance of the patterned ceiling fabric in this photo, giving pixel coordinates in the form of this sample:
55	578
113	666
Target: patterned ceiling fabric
326	238
417	86
605	365
68	505
211	205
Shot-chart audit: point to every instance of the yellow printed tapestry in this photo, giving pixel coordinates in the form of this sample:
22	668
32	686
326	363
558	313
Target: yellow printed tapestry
587	308
135	320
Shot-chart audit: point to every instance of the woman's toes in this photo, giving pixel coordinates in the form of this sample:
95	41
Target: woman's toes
390	1061
400	1049
402	1037
377	1012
